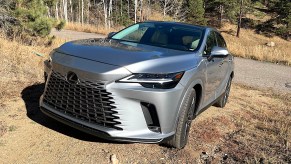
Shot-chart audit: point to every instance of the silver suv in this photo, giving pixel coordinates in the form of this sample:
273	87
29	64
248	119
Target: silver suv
145	83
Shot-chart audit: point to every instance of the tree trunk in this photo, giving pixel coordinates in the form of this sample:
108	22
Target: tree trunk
121	7
71	6
135	8
128	13
61	13
121	14
150	9
57	11
221	10
48	11
109	14
141	12
65	6
239	19
105	13
164	10
82	12
88	13
79	11
116	11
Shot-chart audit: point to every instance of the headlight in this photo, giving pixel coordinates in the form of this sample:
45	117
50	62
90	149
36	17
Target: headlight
49	59
48	62
160	81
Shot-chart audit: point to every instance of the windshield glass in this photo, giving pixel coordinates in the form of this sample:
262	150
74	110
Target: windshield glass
172	36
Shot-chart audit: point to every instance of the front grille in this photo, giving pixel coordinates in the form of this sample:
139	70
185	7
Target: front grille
85	100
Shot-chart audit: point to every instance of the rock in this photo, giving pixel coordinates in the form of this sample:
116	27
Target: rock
205	158
113	159
225	156
270	44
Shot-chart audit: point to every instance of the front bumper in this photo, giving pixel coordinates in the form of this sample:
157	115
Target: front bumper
134	125
128	98
94	131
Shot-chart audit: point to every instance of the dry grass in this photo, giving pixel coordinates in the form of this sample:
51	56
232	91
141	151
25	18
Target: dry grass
262	131
20	65
3	128
90	28
158	16
253	46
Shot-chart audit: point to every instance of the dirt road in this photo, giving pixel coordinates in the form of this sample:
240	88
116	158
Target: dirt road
248	72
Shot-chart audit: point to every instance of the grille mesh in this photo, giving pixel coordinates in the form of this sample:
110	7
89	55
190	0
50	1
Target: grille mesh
85	100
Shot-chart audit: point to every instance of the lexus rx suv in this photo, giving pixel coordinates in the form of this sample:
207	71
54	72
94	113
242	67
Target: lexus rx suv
145	83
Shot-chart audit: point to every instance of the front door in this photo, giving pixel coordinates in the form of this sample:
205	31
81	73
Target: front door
213	68
224	67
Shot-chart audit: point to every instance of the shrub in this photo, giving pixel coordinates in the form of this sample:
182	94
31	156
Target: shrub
283	32
40	27
60	25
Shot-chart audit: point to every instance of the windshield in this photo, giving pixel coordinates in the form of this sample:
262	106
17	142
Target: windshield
172	36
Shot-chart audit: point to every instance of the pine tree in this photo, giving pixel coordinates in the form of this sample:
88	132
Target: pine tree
282	17
196	12
283	9
33	18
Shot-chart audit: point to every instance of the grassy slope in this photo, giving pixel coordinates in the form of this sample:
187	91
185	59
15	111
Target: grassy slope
253	46
20	65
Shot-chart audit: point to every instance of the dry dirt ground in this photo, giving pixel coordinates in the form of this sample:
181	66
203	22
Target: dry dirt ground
253	127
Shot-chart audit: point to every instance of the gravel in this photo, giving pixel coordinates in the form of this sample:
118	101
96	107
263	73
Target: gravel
263	75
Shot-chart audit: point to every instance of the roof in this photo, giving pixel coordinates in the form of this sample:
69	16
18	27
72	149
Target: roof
178	23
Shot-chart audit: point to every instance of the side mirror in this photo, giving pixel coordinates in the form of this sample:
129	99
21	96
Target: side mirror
111	34
219	52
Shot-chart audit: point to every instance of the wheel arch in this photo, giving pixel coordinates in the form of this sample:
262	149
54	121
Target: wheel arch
232	74
198	90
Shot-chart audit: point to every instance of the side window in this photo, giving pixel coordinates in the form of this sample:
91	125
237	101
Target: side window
220	40
210	43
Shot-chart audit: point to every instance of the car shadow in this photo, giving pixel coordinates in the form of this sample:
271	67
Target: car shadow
31	95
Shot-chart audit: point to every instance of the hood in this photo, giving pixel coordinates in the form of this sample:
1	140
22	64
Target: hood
135	57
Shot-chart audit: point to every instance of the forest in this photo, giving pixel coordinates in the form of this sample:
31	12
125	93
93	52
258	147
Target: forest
38	17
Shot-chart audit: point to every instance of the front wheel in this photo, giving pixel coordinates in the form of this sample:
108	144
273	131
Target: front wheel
221	102
180	138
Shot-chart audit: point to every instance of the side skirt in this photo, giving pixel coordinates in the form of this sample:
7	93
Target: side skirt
209	105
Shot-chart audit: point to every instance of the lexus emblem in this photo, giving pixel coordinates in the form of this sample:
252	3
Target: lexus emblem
72	78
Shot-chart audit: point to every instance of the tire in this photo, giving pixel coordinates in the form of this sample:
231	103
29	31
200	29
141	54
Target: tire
221	102
179	140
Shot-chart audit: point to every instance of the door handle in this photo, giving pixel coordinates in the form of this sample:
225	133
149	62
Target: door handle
230	59
220	64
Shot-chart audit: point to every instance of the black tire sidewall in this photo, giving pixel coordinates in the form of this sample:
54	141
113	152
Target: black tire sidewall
181	132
